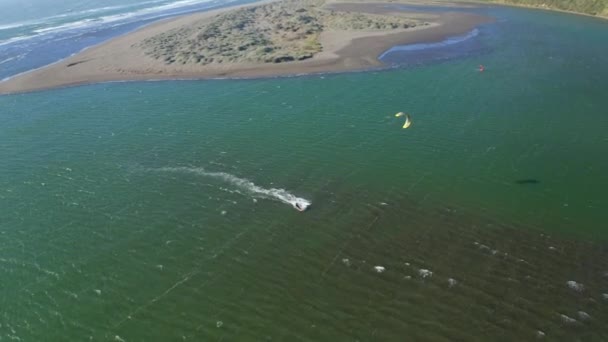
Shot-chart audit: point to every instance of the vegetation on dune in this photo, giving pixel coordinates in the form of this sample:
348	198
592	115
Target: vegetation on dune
272	33
593	7
289	30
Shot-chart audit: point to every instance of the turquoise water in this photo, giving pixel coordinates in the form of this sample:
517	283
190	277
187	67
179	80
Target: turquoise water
146	211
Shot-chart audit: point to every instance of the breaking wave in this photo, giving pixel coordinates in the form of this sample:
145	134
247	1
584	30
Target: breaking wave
96	17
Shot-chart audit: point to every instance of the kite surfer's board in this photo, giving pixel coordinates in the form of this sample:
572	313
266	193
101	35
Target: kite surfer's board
408	121
299	206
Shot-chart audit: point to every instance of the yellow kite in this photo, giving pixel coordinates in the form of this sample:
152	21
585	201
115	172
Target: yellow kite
408	120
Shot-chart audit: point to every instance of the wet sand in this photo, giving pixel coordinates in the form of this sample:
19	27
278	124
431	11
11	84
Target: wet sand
121	59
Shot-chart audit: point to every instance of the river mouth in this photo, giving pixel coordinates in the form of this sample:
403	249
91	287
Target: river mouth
164	210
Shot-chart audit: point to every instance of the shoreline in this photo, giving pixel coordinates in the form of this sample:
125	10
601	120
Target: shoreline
143	27
343	50
548	9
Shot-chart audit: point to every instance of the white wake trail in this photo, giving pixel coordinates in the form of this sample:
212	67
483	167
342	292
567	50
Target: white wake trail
245	184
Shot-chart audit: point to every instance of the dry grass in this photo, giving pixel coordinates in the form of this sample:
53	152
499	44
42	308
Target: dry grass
272	33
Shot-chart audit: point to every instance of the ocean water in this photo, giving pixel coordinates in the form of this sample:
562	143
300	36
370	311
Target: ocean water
162	211
41	32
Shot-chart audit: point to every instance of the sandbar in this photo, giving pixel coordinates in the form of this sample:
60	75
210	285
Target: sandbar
125	58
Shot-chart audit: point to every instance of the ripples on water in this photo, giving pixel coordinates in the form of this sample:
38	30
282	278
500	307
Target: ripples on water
97	245
421	234
448	274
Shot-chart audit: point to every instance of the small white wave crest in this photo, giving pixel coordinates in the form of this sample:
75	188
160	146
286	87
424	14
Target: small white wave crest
159	11
246	185
84	23
18	57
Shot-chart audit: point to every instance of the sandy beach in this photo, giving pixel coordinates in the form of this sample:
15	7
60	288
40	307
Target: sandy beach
125	58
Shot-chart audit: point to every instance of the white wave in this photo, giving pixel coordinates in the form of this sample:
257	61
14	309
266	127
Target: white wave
151	10
142	13
16	25
244	184
68	26
14	39
18	57
73	14
107	8
33	22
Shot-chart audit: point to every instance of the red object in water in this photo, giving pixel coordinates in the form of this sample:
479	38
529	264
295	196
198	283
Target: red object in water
481	68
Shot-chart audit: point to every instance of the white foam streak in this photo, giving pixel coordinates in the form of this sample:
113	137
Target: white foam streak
116	17
15	25
14	39
108	8
68	26
144	13
73	14
9	59
150	10
244	184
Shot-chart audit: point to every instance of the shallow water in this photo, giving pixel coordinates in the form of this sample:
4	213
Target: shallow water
113	229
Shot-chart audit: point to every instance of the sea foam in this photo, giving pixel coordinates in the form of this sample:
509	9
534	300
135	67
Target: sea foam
243	184
161	10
